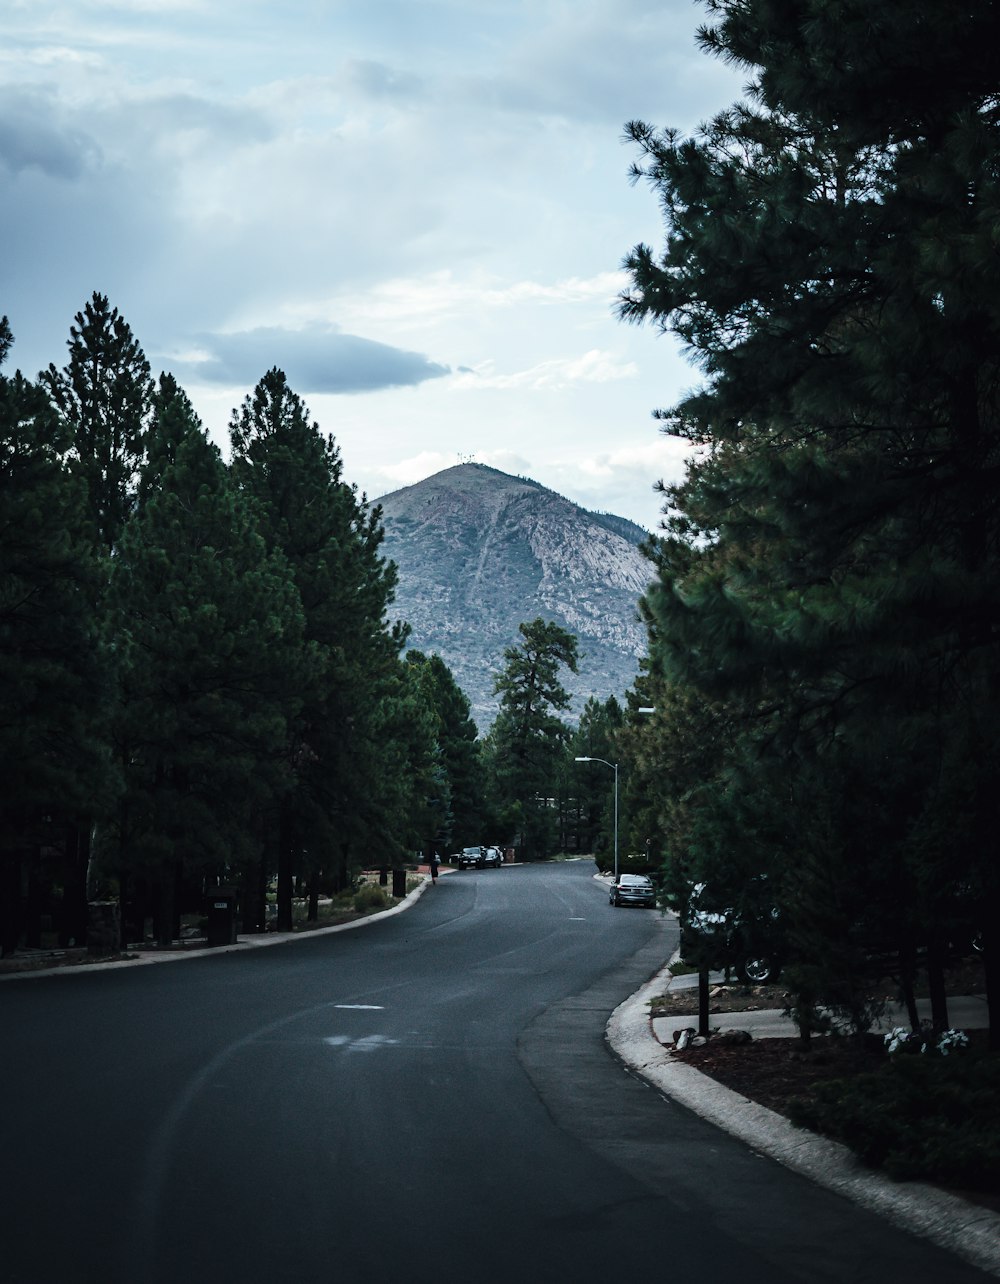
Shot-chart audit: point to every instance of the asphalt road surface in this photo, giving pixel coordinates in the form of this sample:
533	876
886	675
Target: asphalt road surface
429	1098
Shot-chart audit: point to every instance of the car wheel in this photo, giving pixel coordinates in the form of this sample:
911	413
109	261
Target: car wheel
758	971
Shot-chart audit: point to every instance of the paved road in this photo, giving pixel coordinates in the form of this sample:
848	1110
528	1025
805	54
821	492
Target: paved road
430	1098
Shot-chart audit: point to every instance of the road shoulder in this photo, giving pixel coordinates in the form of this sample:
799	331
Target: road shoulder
968	1231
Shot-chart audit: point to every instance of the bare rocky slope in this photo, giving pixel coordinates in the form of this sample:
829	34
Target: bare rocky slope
479	552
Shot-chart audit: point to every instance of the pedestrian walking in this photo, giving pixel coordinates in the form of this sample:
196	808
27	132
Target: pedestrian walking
435	862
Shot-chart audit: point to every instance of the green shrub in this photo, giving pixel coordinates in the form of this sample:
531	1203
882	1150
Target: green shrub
935	1118
370	896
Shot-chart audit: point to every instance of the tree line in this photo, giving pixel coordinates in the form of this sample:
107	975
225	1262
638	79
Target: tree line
825	619
202	685
201	682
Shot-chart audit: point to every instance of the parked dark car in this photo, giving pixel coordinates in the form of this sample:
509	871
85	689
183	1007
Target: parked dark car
492	858
633	889
471	858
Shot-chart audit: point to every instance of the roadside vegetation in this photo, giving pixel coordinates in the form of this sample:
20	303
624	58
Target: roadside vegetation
819	767
824	662
203	684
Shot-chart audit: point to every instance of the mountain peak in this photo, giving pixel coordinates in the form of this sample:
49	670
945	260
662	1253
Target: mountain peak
480	551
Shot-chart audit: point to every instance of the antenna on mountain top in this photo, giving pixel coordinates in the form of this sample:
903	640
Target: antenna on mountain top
466	459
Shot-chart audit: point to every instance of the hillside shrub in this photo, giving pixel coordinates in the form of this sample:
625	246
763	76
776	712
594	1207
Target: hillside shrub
928	1117
370	897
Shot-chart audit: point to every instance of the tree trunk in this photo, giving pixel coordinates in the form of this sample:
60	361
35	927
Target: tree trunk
991	966
10	902
906	979
73	916
935	983
33	915
285	867
703	1002
124	884
166	895
260	893
340	880
175	924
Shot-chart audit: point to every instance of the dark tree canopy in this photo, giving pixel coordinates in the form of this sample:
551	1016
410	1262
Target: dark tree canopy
53	662
104	394
525	748
828	576
292	475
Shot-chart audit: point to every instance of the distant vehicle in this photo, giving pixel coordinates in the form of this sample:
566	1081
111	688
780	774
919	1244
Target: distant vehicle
472	858
492	858
633	889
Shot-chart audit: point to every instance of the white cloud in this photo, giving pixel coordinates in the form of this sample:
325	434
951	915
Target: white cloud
561	372
423	187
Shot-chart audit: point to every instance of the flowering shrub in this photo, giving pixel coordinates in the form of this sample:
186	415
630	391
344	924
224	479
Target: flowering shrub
952	1041
903	1040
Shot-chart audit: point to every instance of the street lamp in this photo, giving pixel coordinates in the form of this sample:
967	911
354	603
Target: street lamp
614	768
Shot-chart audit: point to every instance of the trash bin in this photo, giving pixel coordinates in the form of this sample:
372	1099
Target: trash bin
399	883
221	909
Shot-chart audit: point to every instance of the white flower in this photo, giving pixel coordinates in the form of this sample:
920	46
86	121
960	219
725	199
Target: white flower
956	1039
896	1039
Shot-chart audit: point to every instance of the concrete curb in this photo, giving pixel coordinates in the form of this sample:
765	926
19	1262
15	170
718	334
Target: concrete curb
254	942
965	1229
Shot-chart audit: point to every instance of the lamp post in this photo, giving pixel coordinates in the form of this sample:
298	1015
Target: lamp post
614	768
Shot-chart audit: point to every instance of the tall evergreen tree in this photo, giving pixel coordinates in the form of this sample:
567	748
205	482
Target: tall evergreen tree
415	794
330	539
103	398
53	671
209	632
104	395
526	745
593	813
459	749
831	561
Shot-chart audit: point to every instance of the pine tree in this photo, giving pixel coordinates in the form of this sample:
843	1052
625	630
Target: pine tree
592	821
526	745
330	539
209	632
53	670
831	558
459	749
104	396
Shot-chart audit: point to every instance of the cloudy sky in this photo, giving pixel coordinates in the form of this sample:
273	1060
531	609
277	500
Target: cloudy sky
416	208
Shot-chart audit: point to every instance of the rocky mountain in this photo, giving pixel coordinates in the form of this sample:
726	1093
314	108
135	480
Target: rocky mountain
479	552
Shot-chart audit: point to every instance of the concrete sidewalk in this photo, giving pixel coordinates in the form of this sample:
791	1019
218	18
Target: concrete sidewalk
965	1013
967	1230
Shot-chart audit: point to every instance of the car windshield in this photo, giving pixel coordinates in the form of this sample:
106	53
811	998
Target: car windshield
634	880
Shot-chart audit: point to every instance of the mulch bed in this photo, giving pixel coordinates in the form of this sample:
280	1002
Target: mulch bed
773	1071
770	1071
